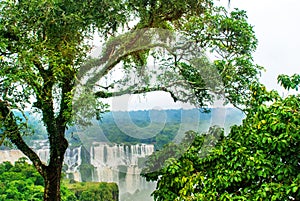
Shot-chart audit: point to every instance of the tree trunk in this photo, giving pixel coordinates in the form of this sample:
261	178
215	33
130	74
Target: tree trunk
56	127
52	173
52	179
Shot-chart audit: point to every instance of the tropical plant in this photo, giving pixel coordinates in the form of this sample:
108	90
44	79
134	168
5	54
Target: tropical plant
258	160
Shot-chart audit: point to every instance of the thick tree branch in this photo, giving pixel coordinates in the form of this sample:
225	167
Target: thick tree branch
118	50
132	90
13	134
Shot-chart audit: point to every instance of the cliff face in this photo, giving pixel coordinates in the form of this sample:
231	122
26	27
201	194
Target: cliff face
10	155
100	162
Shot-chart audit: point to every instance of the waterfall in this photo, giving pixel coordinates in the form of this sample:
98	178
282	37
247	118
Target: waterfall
105	162
72	161
120	163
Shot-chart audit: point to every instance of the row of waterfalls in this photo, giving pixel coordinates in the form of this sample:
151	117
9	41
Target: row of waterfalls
100	161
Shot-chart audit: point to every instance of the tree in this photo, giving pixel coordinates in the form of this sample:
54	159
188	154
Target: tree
258	160
43	44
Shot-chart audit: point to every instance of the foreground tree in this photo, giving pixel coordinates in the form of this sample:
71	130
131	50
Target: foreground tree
43	44
258	160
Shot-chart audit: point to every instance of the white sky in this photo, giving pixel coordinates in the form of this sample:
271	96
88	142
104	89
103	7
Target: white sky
277	27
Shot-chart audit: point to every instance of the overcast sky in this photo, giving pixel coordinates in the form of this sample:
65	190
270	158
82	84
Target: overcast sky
277	27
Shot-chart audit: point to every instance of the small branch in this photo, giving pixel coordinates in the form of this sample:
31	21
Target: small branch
105	87
236	106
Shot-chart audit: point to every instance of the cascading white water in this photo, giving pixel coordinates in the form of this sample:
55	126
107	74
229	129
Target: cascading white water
72	161
112	163
120	164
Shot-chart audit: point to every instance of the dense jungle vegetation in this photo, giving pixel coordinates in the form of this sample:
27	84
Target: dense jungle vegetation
22	182
157	45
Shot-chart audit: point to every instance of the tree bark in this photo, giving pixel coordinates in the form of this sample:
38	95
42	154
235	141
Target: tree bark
52	183
52	176
56	126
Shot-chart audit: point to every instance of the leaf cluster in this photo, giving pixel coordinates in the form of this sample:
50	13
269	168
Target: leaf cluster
258	160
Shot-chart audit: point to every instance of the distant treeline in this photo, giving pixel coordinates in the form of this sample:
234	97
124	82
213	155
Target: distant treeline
158	126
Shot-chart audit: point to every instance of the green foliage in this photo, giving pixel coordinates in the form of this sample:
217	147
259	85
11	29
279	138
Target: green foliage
43	44
165	14
177	122
258	160
203	28
287	82
230	36
172	165
92	191
22	182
